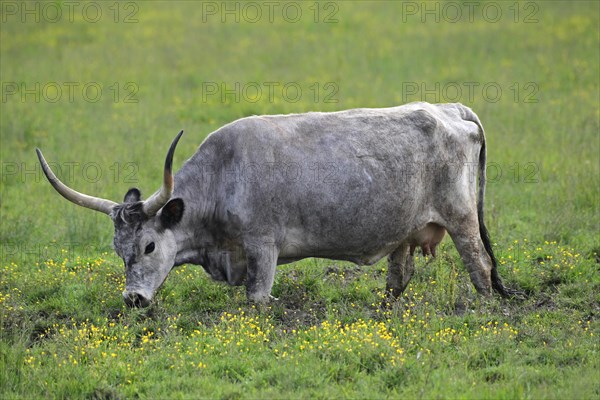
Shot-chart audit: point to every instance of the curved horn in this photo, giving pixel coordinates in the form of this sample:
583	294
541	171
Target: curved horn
95	203
160	198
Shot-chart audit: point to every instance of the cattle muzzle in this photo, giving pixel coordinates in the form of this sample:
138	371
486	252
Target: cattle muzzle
135	300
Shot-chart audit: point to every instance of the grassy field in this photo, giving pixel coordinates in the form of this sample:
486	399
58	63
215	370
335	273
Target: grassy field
103	87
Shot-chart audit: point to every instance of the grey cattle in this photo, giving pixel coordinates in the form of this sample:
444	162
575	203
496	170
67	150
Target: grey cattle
352	185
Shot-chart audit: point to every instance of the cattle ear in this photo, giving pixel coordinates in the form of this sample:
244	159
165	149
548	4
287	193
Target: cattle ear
133	195
171	213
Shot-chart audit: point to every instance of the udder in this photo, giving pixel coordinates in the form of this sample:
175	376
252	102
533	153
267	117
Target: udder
427	238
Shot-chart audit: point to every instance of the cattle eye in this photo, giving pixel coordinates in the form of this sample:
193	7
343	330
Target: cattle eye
149	248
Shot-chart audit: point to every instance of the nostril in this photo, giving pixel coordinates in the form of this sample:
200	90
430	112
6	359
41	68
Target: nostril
136	300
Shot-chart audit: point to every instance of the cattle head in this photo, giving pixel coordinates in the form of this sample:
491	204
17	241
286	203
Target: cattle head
143	230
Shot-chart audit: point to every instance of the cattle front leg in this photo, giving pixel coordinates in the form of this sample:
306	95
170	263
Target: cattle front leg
262	262
400	270
475	257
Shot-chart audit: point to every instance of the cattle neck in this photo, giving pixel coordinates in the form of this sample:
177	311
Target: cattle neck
190	234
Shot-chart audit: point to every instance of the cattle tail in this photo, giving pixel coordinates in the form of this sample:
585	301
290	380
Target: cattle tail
497	284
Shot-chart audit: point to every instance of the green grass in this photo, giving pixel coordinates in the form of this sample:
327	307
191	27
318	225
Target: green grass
65	330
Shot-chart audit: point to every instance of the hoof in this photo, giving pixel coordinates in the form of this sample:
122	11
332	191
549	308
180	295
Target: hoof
393	292
259	298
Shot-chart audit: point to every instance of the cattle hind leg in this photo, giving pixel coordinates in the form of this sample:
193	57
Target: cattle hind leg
475	249
400	270
475	258
495	277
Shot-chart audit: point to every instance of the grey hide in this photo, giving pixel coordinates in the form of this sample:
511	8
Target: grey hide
352	185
